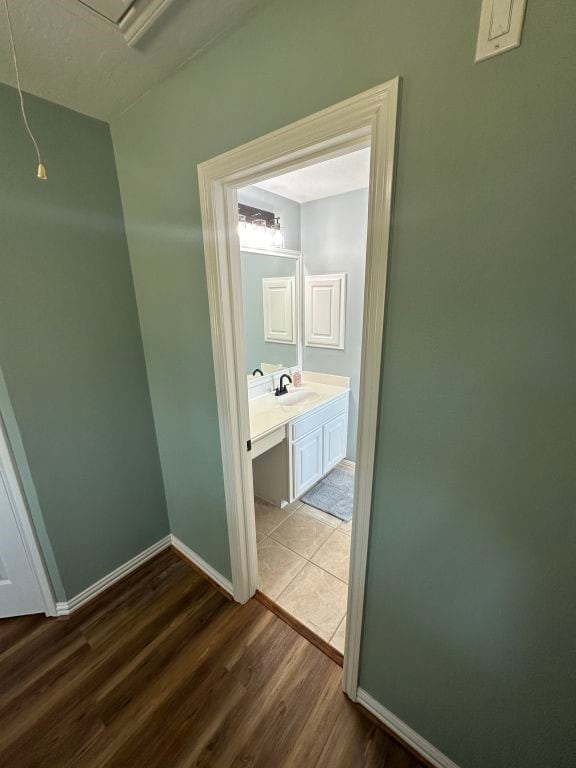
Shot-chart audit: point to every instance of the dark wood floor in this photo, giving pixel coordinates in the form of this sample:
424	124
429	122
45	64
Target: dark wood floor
164	671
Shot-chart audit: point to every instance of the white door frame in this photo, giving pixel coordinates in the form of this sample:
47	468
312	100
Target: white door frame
16	499
368	119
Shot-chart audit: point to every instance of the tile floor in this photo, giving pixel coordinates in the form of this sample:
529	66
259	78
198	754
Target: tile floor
303	557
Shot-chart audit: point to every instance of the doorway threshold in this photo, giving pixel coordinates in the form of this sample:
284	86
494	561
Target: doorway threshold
302	629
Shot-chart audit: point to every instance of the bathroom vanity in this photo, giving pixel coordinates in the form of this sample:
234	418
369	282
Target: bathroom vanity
297	438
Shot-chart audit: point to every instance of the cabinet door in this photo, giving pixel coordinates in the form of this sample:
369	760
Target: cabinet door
335	437
307	461
325	310
279	299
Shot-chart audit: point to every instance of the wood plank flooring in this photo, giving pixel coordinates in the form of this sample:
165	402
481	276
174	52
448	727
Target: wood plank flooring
163	671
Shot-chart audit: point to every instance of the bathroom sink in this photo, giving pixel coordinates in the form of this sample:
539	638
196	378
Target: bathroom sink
297	397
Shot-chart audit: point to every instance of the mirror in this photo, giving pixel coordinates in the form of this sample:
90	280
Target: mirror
270	285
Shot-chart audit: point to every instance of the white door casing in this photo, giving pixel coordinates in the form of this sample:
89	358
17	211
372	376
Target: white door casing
366	120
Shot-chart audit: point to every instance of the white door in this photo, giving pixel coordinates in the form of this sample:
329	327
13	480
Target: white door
19	589
307	461
335	437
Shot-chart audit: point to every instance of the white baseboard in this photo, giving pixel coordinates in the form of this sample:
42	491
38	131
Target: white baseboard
189	554
347	464
66	608
422	747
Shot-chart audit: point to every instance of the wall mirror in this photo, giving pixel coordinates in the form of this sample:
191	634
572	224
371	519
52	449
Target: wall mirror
271	295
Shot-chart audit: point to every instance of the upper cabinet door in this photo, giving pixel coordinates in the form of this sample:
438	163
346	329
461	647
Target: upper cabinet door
325	310
279	298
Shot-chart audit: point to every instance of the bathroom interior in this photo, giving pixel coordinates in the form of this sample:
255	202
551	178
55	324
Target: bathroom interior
302	250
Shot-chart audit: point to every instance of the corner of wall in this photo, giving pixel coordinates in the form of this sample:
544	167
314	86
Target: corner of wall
29	489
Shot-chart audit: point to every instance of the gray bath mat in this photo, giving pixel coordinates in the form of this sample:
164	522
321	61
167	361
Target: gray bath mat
334	494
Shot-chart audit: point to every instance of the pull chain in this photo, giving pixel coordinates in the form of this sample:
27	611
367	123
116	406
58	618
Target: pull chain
41	167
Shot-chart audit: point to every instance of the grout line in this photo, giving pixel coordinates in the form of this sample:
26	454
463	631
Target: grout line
299	571
277	598
302	557
330	574
309	506
299	553
307	560
279	524
338	627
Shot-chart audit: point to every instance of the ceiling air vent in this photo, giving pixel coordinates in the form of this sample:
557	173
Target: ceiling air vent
132	17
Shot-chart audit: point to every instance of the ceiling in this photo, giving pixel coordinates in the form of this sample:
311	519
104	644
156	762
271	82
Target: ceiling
331	177
76	58
111	9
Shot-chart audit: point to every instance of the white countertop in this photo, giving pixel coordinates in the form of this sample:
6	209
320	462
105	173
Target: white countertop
268	411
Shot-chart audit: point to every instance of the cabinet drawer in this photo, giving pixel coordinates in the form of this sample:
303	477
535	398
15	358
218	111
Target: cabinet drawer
312	421
263	444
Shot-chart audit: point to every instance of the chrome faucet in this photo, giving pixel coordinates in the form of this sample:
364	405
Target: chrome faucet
282	388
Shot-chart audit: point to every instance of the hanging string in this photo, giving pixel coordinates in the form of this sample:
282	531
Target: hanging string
41	167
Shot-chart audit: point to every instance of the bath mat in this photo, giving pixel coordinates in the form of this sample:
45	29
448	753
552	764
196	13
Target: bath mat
333	494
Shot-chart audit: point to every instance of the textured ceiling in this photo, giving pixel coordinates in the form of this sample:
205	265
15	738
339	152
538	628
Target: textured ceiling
330	177
70	59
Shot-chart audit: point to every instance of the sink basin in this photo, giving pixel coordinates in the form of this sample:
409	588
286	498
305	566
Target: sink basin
296	397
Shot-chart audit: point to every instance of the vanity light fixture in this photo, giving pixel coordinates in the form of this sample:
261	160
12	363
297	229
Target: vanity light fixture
259	229
41	172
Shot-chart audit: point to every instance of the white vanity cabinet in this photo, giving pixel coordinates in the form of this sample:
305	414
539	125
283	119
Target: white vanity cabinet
317	442
291	453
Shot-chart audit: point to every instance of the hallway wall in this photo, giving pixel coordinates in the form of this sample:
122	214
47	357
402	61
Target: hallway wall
74	393
470	616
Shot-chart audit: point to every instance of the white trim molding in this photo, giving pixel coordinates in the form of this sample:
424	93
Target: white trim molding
366	120
406	734
9	472
200	563
67	607
287	253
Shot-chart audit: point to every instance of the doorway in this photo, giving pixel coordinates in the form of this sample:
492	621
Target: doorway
24	584
302	255
365	121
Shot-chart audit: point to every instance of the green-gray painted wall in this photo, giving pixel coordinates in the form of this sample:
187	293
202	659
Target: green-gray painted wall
75	398
470	611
